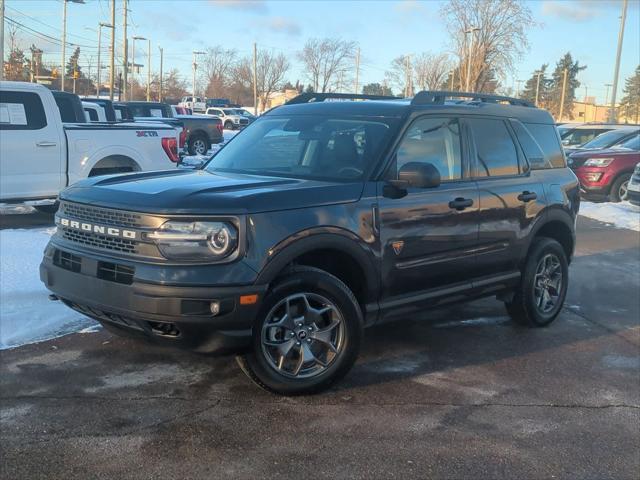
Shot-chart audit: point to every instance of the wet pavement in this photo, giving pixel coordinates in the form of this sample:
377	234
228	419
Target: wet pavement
463	393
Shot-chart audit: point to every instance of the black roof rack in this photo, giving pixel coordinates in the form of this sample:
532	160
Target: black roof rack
321	97
439	97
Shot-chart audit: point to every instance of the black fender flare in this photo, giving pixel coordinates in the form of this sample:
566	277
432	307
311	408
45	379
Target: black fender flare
305	241
555	215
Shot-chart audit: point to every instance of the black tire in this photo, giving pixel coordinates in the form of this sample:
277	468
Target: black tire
198	142
616	193
310	281
524	308
48	209
228	125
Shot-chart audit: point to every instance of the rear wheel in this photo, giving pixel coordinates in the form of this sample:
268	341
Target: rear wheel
307	335
198	145
538	299
619	188
228	125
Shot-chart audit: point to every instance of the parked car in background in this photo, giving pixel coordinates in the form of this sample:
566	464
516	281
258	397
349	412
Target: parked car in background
122	112
70	107
231	119
178	110
247	114
605	174
633	189
40	154
218	102
196	104
94	112
201	131
607	139
581	134
107	106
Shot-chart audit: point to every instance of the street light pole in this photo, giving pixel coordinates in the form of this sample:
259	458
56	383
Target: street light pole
64	38
100	25
160	88
538	87
1	39
148	70
612	110
133	63
469	54
112	66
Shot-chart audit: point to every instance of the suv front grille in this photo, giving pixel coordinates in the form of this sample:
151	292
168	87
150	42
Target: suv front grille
99	241
103	216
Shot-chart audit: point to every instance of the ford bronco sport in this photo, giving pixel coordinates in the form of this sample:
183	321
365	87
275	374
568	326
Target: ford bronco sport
321	218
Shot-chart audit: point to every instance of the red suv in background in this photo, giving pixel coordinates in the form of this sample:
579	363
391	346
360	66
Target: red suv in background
605	174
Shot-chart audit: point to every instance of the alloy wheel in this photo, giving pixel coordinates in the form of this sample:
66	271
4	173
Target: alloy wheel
622	191
303	335
547	283
199	147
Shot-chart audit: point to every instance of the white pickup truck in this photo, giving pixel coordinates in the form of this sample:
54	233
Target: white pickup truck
196	104
40	155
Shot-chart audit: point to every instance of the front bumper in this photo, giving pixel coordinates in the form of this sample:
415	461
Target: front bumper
165	314
595	182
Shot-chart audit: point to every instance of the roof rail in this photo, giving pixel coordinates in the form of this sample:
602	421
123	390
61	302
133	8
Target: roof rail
321	97
439	97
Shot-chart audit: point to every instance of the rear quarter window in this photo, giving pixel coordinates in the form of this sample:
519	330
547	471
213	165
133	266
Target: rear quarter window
547	139
21	111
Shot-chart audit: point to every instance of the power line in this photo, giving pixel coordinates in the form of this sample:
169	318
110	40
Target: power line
58	30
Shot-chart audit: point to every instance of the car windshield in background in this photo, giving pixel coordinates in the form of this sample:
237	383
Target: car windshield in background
632	144
304	146
580	136
607	139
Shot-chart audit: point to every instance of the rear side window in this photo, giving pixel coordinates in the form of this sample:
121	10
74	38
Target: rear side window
93	115
67	109
21	111
547	138
496	154
529	145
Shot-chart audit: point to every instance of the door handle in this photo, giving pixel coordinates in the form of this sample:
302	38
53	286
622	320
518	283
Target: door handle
460	203
527	196
46	144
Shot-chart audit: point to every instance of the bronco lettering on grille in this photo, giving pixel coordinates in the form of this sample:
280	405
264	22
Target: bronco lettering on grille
100	229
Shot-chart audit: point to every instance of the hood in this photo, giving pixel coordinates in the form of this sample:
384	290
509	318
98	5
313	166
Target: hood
603	152
202	192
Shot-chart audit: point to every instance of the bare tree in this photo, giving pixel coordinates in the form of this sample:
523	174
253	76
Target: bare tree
328	62
431	70
218	66
271	69
499	42
400	75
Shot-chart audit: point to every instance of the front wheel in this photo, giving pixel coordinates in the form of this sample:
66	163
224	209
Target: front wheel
538	299
619	188
228	125
307	335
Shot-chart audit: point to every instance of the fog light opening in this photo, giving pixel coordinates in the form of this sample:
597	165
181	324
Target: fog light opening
215	307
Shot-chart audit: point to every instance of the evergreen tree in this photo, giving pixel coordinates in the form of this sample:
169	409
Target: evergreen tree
72	64
555	90
529	91
630	102
15	68
376	89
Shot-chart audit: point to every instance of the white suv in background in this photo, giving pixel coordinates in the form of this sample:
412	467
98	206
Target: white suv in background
633	187
196	104
231	119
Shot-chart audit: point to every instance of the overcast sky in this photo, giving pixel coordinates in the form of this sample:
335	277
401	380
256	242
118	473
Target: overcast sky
383	29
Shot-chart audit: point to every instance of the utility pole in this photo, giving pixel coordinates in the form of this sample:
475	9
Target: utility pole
75	73
255	79
407	73
606	97
357	69
616	72
195	67
64	42
585	102
564	88
125	52
112	65
160	88
538	87
453	76
470	30
148	70
133	63
1	39
518	83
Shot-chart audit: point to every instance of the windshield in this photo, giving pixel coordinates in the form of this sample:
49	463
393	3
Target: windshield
607	139
228	111
632	144
305	147
580	136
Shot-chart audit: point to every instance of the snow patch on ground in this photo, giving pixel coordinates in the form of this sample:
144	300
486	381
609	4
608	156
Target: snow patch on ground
26	313
15	209
620	215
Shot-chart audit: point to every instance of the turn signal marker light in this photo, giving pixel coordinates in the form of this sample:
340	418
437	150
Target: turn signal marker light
248	299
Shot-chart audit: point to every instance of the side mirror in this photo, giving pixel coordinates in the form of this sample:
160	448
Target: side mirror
419	175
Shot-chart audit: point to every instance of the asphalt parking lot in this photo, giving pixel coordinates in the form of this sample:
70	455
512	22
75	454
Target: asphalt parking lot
461	394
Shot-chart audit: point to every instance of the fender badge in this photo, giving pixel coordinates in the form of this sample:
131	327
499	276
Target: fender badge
397	246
